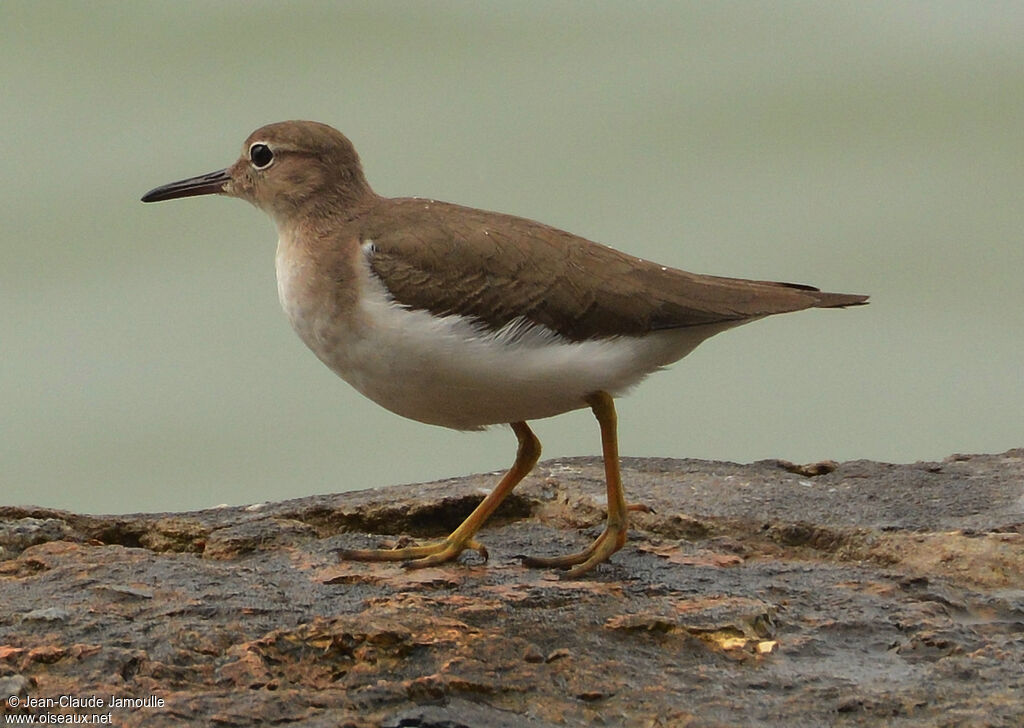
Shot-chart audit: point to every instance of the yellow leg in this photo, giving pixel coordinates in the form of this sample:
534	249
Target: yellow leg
614	535
461	538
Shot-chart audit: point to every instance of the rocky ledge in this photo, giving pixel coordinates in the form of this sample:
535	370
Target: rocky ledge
769	594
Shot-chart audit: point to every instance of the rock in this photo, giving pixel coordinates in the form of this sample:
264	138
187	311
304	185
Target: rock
46	614
769	594
14	686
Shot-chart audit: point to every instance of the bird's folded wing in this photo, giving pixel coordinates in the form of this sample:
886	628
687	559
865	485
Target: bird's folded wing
499	269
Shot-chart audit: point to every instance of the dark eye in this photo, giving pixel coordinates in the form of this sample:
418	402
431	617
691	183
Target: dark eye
260	156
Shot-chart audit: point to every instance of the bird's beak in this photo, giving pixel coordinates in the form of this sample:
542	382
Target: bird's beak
205	184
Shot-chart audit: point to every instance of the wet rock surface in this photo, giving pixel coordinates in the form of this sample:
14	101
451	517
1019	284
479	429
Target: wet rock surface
768	594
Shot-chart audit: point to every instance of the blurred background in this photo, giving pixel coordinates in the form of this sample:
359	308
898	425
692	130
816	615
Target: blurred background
864	147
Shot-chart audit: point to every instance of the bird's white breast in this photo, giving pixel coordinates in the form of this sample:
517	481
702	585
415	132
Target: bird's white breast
452	371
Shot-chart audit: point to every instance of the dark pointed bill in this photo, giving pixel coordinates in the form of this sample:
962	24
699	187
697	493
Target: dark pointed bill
205	184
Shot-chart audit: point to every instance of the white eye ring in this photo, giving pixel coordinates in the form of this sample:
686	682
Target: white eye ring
260	155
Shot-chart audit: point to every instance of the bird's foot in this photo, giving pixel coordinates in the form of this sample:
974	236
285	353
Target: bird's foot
611	540
639	508
417	557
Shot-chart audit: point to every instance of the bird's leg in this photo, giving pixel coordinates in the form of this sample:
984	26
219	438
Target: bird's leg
461	538
614	535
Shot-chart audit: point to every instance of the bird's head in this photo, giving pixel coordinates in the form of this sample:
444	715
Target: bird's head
285	169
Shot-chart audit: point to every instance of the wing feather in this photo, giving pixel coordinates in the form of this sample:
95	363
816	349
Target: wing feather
449	259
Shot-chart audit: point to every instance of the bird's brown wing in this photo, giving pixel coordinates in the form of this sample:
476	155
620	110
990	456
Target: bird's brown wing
496	268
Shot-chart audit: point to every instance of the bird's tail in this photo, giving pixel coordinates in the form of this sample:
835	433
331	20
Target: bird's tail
839	300
823	299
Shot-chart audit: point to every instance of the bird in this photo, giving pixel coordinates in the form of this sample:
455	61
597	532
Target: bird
466	318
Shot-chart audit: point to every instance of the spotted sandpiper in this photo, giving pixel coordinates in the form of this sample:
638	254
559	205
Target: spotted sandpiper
466	318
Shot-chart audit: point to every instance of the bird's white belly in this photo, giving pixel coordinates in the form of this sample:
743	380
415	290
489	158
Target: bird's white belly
453	372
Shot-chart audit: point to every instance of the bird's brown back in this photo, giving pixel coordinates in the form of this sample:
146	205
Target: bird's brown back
497	268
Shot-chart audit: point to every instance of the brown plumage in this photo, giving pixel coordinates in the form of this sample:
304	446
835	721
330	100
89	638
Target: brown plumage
496	268
433	310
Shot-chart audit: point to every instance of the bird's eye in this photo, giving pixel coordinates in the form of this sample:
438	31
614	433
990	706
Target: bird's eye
260	156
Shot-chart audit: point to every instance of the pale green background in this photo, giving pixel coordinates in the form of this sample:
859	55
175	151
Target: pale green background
862	147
